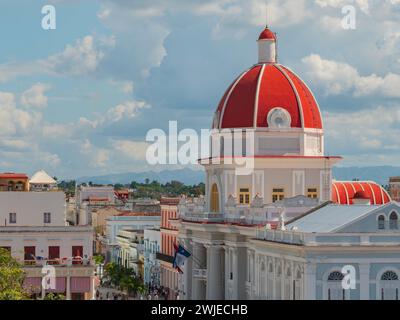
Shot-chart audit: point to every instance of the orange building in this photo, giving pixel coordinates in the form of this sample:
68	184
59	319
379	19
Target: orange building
169	276
10	181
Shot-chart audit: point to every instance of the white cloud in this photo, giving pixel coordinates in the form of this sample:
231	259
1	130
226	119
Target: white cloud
124	86
374	131
34	96
363	5
78	59
135	150
56	130
127	110
81	58
337	78
50	159
13	120
101	158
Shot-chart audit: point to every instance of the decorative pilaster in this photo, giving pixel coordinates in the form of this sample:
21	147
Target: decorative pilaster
214	273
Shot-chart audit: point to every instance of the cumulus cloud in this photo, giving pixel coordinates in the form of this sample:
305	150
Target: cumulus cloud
81	58
78	59
126	110
365	134
363	5
337	78
135	150
14	121
34	96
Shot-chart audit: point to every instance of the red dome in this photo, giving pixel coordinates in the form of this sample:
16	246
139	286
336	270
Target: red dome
345	192
267	35
361	195
250	98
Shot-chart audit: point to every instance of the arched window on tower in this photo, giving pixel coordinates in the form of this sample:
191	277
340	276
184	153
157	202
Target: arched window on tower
381	222
393	221
214	198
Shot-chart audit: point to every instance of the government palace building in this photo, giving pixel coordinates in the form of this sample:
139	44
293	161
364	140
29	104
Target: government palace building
274	223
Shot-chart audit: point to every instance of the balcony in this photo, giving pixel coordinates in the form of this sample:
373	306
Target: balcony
256	213
164	257
65	262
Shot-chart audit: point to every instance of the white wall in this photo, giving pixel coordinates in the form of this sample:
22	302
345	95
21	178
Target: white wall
114	224
43	237
30	207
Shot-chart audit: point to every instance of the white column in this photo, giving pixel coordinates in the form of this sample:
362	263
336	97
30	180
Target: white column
310	282
227	271
214	273
364	281
235	273
188	272
68	297
198	284
92	288
43	290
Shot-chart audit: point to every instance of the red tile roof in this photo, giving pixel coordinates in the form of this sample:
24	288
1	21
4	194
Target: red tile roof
12	175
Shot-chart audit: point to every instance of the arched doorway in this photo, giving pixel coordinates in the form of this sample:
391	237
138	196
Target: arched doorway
214	198
335	290
389	286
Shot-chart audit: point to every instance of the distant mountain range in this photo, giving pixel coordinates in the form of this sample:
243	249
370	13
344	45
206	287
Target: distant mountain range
379	174
187	176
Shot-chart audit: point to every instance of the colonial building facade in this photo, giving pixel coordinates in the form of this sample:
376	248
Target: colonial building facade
278	173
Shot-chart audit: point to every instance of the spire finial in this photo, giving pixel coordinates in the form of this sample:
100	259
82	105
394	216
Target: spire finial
266	15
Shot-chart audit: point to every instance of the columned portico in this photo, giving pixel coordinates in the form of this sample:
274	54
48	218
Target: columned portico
198	276
215	272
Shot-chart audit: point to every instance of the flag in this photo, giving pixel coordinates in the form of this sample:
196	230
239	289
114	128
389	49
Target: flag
180	256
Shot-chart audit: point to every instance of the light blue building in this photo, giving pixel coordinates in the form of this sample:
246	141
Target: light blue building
311	257
152	269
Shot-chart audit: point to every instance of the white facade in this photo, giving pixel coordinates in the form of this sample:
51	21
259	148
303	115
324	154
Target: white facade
116	223
42	238
151	246
30	208
36	234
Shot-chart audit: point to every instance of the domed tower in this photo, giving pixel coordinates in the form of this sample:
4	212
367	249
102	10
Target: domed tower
281	119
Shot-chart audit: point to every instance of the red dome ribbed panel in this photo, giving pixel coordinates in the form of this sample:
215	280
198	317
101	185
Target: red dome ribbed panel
239	110
311	113
276	91
222	102
370	189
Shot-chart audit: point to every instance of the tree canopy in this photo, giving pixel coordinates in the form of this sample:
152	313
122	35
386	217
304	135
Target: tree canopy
11	278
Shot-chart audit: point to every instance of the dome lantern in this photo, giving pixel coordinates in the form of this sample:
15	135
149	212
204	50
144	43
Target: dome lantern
267	46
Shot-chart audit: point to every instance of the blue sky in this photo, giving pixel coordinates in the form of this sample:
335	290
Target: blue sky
78	100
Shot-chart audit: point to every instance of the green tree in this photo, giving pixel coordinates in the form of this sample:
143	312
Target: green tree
54	296
11	278
99	259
